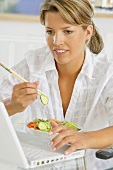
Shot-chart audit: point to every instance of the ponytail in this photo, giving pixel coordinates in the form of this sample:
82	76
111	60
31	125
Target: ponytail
96	43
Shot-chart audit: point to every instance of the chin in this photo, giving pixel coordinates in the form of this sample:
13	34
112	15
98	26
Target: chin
62	62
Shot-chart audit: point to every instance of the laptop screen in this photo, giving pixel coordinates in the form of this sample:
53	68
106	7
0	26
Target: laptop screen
10	148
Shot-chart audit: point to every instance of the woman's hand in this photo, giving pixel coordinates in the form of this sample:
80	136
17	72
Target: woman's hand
23	95
78	140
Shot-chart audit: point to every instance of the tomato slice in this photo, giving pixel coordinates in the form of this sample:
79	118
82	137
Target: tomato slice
32	124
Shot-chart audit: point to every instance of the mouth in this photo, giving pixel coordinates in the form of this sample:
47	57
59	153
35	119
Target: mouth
60	52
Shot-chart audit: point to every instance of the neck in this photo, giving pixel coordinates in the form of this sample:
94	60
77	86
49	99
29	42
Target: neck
69	70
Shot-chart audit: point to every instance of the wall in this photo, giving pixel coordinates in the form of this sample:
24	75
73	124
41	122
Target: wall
106	30
17	37
21	28
104	25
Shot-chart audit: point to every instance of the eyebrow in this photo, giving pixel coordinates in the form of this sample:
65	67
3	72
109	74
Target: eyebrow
61	28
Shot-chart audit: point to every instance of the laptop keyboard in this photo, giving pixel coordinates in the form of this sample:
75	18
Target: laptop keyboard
40	153
39	156
34	153
46	158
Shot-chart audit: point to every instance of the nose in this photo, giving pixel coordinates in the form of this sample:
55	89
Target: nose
57	39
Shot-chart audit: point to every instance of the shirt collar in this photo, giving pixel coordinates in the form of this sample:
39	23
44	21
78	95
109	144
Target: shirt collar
49	63
87	68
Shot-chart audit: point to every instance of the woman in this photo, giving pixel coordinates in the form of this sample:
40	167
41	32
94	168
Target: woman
73	73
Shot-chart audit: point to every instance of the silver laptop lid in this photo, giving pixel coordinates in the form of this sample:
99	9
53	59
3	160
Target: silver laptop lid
11	151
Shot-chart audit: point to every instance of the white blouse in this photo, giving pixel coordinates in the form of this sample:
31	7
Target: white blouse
91	104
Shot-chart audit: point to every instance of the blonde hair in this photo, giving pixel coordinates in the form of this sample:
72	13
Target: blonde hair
76	12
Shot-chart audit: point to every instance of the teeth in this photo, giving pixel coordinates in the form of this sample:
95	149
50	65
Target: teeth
60	51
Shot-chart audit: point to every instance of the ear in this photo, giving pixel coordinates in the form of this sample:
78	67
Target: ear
89	32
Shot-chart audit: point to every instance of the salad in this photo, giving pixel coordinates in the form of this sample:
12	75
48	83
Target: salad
44	125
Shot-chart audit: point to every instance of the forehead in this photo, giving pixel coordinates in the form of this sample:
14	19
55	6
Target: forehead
54	18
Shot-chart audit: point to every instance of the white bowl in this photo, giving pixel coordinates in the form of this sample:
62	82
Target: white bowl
41	134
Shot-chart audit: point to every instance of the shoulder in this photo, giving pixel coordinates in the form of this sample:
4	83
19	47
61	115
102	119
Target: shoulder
102	58
101	68
32	62
37	56
103	71
96	66
102	63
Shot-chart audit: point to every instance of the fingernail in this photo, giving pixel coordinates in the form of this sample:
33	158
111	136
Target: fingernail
50	143
66	153
50	133
54	149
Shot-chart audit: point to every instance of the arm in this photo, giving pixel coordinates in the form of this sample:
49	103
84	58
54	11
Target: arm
84	140
81	140
15	95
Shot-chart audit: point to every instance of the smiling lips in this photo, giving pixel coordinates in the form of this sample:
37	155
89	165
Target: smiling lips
60	52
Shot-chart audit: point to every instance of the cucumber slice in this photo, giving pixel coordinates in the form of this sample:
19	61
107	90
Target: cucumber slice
44	99
42	126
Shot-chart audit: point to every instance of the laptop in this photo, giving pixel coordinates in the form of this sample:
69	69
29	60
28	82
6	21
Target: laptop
26	150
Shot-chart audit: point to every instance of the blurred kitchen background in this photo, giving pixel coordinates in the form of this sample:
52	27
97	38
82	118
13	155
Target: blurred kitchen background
20	29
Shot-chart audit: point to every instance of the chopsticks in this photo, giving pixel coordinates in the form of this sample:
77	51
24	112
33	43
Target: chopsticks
18	76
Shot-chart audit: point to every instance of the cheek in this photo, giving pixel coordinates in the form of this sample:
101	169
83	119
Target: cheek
83	39
49	41
80	42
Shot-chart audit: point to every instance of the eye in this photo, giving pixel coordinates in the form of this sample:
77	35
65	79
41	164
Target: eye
68	31
50	32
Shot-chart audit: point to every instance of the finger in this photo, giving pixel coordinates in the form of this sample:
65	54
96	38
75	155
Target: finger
24	85
61	143
24	91
73	147
58	129
53	124
27	91
36	82
62	136
28	98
